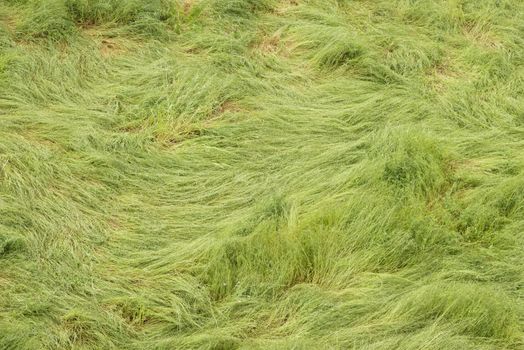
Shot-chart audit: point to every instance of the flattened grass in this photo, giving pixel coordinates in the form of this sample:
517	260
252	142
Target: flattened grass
261	174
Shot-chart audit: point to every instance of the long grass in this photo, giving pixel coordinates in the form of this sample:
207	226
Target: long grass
276	174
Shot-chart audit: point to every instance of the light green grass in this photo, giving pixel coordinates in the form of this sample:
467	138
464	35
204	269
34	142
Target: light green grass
241	174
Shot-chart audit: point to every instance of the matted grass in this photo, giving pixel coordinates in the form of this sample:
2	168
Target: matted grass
267	174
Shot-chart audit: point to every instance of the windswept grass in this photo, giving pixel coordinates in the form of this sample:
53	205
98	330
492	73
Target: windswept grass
277	174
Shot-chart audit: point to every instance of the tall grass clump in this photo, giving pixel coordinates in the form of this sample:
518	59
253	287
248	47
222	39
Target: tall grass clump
47	20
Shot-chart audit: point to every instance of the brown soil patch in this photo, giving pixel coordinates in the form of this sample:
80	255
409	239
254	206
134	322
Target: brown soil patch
110	48
442	74
270	44
273	44
481	37
187	5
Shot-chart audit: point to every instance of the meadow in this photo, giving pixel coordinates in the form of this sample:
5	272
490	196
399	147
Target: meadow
262	174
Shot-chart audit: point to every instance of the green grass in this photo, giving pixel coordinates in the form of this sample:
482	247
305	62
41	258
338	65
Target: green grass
276	174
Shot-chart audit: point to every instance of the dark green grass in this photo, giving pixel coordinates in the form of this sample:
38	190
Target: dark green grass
261	174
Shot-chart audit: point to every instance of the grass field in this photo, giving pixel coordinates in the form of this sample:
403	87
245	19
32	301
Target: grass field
262	174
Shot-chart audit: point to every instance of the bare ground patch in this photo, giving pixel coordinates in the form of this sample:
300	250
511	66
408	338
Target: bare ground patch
109	46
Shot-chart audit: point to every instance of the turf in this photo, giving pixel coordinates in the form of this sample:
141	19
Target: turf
262	174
